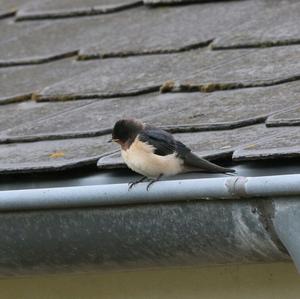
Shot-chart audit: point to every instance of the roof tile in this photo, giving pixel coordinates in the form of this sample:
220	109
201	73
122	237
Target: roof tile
52	155
171	2
10	30
136	31
29	112
196	69
177	111
276	23
71	8
290	117
8	7
282	142
170	29
20	82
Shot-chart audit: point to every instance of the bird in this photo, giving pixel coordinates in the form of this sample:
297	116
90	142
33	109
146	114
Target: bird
154	152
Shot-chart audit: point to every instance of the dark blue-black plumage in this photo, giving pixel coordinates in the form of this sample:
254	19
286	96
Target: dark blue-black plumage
165	144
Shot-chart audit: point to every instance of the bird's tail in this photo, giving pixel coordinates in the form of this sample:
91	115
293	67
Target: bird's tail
194	163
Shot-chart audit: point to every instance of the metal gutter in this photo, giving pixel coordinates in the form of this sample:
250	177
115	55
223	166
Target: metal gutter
198	233
287	225
232	187
90	177
177	223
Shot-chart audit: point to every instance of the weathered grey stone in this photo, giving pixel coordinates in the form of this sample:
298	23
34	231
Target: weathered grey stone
176	111
9	30
9	7
290	117
249	68
211	145
19	39
69	8
58	37
194	70
52	155
276	23
168	30
281	142
19	83
6	13
111	161
170	2
20	114
136	31
62	154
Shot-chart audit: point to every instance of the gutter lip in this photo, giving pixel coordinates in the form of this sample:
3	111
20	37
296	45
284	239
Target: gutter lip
234	187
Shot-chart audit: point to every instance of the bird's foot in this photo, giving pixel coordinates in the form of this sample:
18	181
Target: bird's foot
131	184
153	181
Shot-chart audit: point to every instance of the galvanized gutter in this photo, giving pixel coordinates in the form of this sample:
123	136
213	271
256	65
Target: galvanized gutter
177	223
232	187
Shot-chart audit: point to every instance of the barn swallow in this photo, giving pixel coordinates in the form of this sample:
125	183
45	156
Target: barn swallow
153	152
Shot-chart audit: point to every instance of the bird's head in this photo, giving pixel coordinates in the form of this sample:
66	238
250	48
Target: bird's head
126	130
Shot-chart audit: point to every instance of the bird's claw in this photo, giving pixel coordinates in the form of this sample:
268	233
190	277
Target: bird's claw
131	184
153	181
148	186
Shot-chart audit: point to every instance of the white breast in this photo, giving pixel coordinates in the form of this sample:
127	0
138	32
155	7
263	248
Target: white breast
141	159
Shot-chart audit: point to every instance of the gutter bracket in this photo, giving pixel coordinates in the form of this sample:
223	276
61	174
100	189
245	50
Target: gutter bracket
237	186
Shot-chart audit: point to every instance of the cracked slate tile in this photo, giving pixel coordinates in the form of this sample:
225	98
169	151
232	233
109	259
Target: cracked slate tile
171	2
6	13
20	82
289	117
52	155
282	142
9	30
249	68
70	8
19	114
211	145
200	69
9	7
18	37
53	39
277	23
135	31
169	29
177	111
63	154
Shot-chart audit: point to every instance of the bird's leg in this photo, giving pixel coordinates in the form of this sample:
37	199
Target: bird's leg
154	180
131	184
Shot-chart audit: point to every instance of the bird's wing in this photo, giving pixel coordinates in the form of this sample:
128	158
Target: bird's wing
195	162
162	141
165	144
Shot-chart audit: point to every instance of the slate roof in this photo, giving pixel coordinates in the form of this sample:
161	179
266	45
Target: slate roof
223	76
